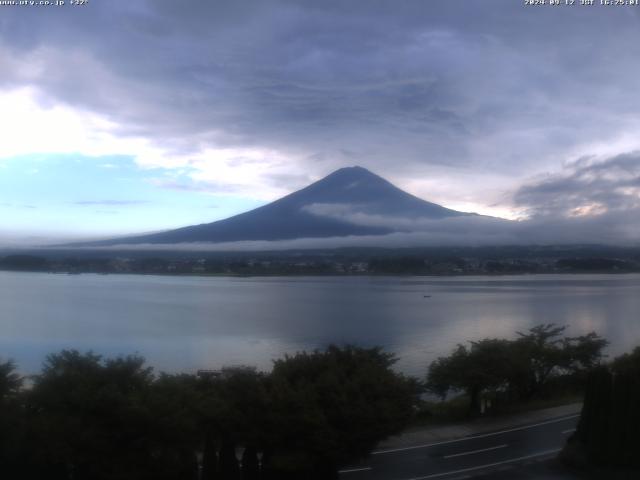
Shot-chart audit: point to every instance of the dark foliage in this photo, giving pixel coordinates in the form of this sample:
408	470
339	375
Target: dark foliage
87	417
513	370
607	433
595	264
333	406
29	263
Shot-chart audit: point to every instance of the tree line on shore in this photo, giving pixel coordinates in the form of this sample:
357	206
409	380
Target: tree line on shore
335	264
88	417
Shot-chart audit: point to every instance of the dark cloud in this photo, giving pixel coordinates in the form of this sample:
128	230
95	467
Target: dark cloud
444	83
586	187
588	201
482	95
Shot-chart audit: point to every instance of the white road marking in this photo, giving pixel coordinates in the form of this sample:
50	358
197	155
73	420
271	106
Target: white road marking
353	470
488	465
476	451
571	430
473	437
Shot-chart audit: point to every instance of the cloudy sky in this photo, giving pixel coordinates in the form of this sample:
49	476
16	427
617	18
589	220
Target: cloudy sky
120	117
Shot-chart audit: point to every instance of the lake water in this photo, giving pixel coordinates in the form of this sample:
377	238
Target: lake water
188	323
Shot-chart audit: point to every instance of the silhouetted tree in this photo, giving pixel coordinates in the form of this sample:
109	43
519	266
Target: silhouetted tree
12	426
607	433
229	467
87	417
334	406
101	419
484	366
233	413
250	466
10	380
542	353
518	369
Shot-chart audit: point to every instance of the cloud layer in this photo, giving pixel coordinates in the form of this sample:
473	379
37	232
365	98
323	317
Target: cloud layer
462	103
586	187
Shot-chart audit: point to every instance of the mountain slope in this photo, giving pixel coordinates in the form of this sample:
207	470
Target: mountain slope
338	205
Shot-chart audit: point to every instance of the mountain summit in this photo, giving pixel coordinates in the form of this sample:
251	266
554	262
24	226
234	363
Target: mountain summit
348	202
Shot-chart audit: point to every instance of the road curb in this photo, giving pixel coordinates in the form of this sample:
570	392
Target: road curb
477	427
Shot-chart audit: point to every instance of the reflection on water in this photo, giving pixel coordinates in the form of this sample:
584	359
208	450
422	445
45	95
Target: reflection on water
186	323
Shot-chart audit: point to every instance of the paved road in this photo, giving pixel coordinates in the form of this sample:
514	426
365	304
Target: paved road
468	456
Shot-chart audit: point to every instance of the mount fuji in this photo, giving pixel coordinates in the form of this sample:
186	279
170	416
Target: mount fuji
351	201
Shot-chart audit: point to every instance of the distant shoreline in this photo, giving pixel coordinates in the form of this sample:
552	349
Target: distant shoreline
328	275
432	261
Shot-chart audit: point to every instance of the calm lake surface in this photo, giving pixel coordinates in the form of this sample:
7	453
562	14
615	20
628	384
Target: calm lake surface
187	323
